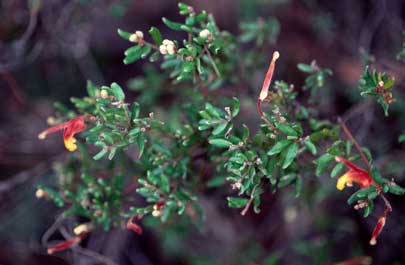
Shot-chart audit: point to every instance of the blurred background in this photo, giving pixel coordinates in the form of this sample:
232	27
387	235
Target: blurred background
50	48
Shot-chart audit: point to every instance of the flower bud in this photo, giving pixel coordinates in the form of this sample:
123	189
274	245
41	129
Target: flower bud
82	228
104	93
40	193
137	36
162	49
133	38
170	49
205	33
156	213
51	120
167	42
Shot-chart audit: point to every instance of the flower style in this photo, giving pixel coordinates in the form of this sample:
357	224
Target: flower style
354	174
70	128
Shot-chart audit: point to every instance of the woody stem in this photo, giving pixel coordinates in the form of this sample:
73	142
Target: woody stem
356	145
247	206
387	204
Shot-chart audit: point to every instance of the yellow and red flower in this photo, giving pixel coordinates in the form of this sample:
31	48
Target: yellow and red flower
70	128
354	174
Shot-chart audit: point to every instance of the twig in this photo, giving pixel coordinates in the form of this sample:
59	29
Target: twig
48	233
212	61
90	253
247	206
356	145
386	202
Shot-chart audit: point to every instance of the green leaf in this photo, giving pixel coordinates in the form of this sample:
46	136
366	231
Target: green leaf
286	129
113	151
141	145
235	107
360	194
369	209
188	66
235	202
376	176
55	196
286	180
221	143
336	170
91	89
117	91
401	138
172	25
145	51
322	163
133	54
100	154
396	189
246	133
220	128
164	183
278	147
154	57
310	146
135	110
156	36
306	68
123	34
291	154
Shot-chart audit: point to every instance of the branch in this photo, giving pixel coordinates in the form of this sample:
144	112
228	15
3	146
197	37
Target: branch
351	138
90	253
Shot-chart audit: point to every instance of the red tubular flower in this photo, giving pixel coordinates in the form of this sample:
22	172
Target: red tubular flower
134	227
66	244
377	229
70	128
266	84
354	174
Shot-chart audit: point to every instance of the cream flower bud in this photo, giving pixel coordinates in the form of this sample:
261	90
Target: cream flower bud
170	49
156	213
51	120
104	93
167	42
83	228
162	49
135	37
40	193
204	33
139	34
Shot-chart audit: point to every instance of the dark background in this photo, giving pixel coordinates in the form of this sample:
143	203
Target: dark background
48	55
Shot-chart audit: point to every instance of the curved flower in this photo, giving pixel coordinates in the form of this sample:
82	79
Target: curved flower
354	174
264	93
133	226
70	128
377	229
